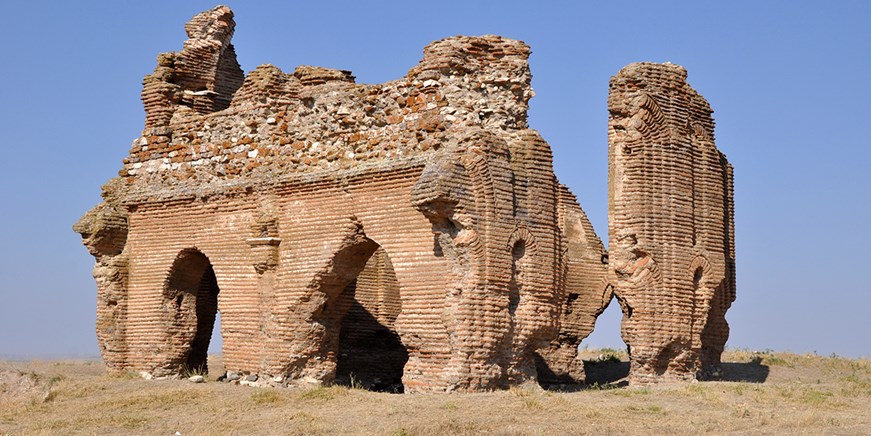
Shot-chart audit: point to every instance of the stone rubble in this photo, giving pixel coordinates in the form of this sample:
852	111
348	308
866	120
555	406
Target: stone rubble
197	379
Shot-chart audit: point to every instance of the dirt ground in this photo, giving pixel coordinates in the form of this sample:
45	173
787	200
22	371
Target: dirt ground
764	393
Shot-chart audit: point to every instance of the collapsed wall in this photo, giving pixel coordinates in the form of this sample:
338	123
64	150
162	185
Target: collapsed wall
322	218
671	227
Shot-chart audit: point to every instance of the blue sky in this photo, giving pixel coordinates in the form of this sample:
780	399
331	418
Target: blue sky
788	81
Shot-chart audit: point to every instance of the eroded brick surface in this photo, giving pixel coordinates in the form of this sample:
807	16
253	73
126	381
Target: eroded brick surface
408	236
672	249
586	294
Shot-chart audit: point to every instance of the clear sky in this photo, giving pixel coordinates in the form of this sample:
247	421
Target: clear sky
788	81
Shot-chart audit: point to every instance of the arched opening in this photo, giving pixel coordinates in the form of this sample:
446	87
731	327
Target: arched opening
370	352
360	320
191	298
515	284
698	275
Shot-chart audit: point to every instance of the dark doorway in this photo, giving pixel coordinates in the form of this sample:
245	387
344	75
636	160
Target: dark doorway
207	310
192	291
370	354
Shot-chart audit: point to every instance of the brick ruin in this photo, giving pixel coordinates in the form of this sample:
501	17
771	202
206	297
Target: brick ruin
670	224
410	235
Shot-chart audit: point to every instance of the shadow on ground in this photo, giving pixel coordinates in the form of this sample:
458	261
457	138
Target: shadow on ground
600	374
605	371
611	374
611	371
753	371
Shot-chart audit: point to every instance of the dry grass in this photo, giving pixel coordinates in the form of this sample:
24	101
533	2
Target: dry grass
769	393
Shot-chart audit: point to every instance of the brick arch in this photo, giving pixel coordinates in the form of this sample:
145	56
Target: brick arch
703	288
356	343
422	278
700	264
382	258
189	306
370	350
522	233
521	244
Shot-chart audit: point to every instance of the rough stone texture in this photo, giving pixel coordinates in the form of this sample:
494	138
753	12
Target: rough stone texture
587	293
671	228
104	232
406	236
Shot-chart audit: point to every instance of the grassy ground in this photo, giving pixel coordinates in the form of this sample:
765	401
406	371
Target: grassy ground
767	393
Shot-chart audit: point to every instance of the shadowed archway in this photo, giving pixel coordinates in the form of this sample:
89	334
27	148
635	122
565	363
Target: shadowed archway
359	315
191	299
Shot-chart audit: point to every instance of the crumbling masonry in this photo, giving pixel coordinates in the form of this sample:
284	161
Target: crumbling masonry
670	224
411	235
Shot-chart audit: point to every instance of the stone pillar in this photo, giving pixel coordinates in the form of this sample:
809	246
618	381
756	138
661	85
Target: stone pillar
670	224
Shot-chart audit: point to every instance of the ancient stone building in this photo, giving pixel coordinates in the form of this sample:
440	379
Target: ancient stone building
670	216
411	232
410	235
